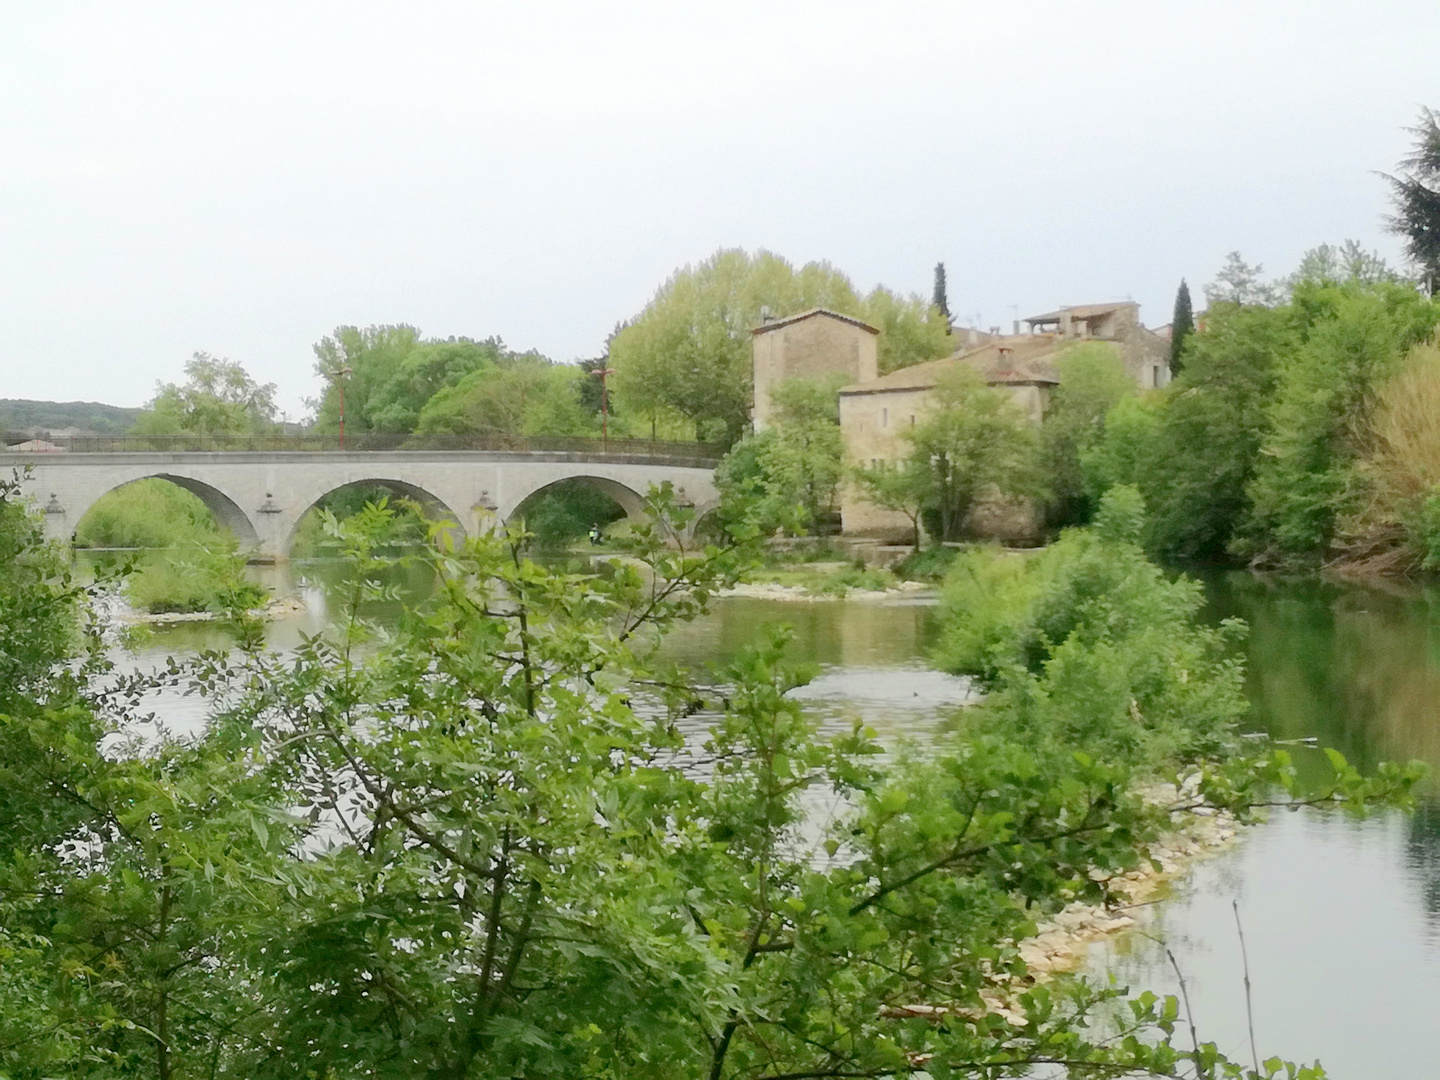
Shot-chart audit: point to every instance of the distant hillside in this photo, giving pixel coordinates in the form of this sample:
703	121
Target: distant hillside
56	417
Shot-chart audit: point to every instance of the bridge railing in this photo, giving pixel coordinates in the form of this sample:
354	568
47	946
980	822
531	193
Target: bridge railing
362	442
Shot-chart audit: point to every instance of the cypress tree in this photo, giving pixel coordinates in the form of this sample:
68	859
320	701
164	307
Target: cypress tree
940	300
1181	326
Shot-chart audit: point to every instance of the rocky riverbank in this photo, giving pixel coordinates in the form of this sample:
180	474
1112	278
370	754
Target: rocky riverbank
275	609
769	590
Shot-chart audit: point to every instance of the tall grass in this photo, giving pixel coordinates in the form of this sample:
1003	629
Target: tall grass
1396	527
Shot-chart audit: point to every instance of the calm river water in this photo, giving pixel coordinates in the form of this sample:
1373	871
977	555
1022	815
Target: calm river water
1341	918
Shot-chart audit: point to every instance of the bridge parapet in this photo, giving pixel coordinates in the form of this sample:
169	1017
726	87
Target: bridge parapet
261	495
372	442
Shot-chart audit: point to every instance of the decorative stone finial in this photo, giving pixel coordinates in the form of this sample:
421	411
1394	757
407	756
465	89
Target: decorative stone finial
270	506
53	506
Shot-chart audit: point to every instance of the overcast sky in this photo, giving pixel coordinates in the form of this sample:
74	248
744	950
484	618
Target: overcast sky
243	177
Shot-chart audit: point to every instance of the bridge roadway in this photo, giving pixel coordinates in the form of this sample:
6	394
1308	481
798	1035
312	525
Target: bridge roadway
262	495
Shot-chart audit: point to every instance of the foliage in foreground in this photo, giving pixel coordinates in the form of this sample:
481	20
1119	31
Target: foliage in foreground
464	851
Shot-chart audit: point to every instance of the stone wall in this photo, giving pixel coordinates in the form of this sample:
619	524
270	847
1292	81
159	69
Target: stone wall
814	347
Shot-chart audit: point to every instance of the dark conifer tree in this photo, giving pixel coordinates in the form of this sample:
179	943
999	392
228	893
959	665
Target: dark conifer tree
940	300
1181	326
1415	194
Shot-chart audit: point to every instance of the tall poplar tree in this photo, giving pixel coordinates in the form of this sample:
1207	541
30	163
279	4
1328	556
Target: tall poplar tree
1181	326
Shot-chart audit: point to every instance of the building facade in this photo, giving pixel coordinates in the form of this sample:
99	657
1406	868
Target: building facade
814	344
875	414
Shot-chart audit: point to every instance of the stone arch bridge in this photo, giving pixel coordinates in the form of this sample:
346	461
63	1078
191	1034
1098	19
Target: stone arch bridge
262	495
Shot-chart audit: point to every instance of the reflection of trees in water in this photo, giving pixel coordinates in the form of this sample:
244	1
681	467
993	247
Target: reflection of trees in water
1357	667
1422	854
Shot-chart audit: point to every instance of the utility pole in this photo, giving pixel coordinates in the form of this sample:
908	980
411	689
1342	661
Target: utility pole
338	378
602	374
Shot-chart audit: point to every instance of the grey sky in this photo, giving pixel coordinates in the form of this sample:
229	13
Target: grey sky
243	177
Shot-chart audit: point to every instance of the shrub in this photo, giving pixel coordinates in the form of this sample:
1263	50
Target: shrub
1088	644
150	513
196	577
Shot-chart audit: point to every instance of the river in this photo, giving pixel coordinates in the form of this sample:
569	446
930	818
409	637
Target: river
1341	917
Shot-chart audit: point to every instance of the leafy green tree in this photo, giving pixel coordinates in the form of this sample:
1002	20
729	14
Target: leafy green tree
1352	338
689	353
218	397
1182	325
1238	282
425	371
373	357
975	443
527	396
911	331
940	299
1415	196
1092	382
796	466
1215	418
468	853
1347	264
902	486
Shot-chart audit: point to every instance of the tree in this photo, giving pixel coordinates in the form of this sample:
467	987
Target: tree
483	849
1238	282
688	353
940	300
1347	264
1092	382
1182	325
373	356
1415	197
794	468
528	395
1351	339
902	486
911	331
218	398
974	443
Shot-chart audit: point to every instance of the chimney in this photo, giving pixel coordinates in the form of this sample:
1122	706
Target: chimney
972	336
1016	331
764	313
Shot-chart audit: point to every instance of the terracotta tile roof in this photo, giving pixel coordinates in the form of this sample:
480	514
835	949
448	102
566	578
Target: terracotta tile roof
774	324
1023	359
1080	311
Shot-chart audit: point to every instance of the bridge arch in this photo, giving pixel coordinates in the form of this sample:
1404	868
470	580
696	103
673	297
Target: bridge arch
433	506
628	499
226	511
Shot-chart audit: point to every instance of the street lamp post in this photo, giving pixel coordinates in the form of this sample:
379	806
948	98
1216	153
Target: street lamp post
602	374
338	378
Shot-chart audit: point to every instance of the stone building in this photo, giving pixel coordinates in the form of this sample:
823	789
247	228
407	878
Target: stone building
874	414
813	344
1145	354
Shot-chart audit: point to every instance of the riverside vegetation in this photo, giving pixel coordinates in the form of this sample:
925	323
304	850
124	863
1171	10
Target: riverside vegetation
503	840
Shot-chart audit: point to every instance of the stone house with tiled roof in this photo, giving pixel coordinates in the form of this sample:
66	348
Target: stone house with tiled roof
875	413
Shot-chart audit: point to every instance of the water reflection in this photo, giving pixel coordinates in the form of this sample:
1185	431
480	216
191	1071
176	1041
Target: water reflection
1342	918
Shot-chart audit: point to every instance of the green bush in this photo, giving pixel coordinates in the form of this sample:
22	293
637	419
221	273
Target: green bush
927	564
150	513
195	577
1089	644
